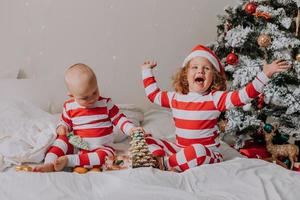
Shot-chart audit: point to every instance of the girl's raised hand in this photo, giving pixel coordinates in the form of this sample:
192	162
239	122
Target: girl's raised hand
275	66
149	64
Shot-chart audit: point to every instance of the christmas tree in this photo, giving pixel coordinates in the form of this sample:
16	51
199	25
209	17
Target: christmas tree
139	152
249	34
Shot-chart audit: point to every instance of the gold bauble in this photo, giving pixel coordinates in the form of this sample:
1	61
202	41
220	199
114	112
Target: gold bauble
298	57
264	40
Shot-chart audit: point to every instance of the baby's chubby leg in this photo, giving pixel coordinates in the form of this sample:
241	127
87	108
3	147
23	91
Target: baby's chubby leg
58	165
55	153
47	167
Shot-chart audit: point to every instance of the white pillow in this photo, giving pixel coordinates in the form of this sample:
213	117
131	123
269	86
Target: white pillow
159	122
134	114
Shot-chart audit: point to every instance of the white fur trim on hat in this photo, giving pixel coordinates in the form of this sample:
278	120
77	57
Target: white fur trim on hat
205	54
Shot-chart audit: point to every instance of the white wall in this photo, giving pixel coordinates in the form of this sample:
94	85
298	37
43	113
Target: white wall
44	37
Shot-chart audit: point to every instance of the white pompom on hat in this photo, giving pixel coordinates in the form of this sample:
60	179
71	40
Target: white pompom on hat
203	51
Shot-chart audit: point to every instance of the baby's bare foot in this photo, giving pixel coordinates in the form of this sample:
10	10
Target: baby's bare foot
48	167
60	163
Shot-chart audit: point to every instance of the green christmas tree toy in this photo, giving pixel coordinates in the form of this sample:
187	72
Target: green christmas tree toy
139	153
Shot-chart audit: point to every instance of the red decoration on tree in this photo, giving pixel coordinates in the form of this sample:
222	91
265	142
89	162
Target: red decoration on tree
250	8
265	15
232	59
260	102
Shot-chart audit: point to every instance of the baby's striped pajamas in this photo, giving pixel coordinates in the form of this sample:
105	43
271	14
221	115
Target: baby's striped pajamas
95	126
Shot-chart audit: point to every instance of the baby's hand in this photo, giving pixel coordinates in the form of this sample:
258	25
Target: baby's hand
61	130
140	129
136	129
274	67
149	64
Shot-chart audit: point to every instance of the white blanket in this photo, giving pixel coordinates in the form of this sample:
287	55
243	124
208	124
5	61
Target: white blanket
237	179
25	133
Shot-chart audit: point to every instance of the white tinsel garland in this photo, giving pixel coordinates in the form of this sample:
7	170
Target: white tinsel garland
290	125
294	104
260	1
279	38
297	1
276	95
279	13
272	29
245	71
238	121
284	42
292	132
283	2
297	69
237	36
283	55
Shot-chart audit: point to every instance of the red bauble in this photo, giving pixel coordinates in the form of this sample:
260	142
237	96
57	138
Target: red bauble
250	8
232	59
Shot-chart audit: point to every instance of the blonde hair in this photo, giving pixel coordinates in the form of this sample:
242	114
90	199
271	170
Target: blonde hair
181	85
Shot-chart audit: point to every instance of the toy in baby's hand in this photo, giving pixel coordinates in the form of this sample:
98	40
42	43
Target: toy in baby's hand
139	152
77	141
290	151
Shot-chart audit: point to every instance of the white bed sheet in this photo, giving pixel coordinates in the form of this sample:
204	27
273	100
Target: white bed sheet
237	179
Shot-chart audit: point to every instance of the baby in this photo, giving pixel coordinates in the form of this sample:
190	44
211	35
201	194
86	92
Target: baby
89	116
196	104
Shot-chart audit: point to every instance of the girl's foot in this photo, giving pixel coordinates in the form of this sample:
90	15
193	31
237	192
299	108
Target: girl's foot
48	167
161	164
60	163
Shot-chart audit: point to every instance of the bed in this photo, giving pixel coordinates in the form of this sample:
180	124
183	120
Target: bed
27	124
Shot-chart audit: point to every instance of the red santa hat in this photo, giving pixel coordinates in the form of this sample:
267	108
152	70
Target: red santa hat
205	52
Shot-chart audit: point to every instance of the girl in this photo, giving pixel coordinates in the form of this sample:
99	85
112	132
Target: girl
196	104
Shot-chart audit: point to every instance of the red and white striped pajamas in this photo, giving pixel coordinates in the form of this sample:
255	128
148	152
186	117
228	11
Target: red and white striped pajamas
196	116
94	125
